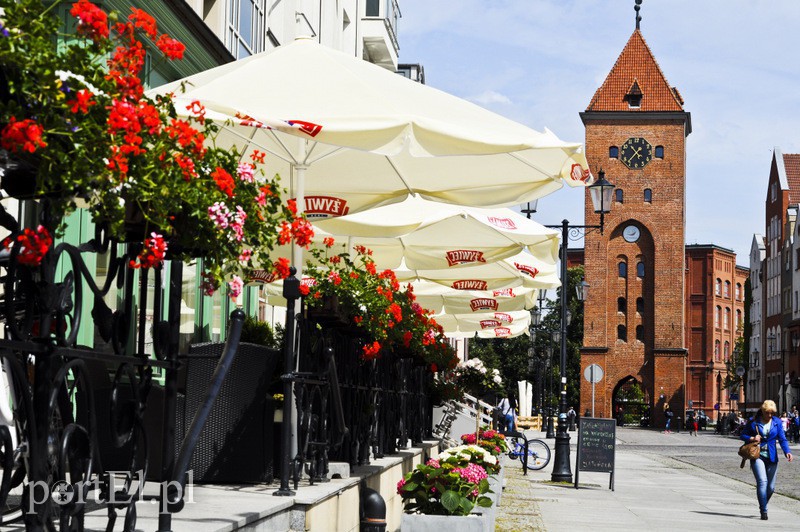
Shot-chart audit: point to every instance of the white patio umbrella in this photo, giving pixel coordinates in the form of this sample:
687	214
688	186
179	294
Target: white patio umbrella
351	135
430	236
505	331
422	234
441	299
522	269
481	321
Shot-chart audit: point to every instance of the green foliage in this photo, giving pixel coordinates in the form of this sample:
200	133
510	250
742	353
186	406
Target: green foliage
450	485
259	333
76	117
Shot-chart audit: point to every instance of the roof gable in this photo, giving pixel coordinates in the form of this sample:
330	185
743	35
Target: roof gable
791	163
636	67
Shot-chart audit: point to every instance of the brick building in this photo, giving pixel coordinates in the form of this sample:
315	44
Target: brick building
715	315
634	316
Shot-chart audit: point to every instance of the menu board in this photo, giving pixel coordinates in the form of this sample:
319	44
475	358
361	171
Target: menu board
596	446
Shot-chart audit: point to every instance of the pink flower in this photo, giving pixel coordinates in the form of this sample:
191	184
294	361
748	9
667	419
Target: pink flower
220	215
400	486
434	463
245	172
245	255
238	223
235	287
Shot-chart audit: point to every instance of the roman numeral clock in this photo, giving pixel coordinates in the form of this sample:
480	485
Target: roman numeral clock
636	152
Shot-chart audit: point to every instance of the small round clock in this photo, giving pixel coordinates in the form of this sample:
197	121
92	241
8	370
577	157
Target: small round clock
635	153
631	233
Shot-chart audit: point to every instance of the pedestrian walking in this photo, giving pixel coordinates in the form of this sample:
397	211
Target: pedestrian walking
691	423
508	418
571	416
766	429
794	424
668	415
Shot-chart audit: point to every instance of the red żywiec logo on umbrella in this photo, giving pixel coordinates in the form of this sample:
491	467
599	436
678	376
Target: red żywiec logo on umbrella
309	128
463	256
262	276
483	303
502	332
490	324
502	316
325	207
502	223
503	292
470	284
577	173
527	270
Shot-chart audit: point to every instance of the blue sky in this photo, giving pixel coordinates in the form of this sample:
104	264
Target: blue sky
539	62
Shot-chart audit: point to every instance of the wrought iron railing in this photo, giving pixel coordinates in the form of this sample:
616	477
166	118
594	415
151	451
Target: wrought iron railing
52	466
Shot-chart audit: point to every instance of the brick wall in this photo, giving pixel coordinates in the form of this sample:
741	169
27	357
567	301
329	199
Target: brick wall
656	360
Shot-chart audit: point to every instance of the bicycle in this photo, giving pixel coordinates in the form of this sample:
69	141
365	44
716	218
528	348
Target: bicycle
533	454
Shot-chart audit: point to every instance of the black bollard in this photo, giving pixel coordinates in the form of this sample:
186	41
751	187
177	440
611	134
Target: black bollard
551	433
373	511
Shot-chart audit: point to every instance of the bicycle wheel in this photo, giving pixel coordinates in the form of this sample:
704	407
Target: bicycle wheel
515	448
538	454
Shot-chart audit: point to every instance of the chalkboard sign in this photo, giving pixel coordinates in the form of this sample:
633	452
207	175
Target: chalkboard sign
596	446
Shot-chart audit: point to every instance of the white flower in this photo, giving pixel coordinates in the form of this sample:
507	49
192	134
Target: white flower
497	379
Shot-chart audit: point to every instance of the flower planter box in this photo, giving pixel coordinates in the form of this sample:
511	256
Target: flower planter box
439	523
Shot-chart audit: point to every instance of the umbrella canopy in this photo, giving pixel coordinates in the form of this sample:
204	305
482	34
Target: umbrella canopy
482	321
505	331
352	135
522	269
441	299
430	236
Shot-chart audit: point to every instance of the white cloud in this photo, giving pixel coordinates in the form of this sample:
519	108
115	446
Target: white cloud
489	97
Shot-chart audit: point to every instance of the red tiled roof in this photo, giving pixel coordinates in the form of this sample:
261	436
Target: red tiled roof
636	64
792	163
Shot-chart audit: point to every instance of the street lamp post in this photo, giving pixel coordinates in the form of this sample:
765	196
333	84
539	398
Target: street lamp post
601	194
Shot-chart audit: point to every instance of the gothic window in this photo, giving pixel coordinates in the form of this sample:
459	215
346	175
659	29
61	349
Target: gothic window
659	152
640	333
622	333
640	305
716	350
613	152
739	323
622	267
619	195
718	287
727	352
640	270
727	289
648	195
738	291
727	323
717	316
621	304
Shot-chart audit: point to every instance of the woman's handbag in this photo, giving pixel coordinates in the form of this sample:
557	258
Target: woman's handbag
749	451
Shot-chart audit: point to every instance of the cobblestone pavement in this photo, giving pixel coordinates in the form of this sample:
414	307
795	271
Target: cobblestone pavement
713	492
519	510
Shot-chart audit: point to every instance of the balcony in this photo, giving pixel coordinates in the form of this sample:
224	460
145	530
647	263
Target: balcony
379	32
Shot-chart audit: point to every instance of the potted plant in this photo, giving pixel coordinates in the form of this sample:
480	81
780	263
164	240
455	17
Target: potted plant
76	128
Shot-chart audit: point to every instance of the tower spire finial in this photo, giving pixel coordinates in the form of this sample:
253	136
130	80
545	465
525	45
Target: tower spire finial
636	8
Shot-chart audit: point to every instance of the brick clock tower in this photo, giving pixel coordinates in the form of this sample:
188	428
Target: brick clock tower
636	131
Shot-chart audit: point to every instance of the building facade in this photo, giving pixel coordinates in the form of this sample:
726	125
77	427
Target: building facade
715	315
754	378
636	129
776	322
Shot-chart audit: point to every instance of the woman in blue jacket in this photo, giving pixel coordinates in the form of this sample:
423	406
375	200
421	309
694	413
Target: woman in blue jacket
766	429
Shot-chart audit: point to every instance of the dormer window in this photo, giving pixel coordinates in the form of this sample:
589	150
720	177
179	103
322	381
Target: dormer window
634	96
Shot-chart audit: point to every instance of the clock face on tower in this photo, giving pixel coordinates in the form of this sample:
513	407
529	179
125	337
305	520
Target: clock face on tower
636	152
631	233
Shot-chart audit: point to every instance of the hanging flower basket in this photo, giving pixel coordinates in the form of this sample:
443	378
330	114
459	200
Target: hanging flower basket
75	122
